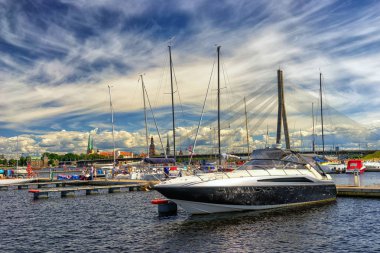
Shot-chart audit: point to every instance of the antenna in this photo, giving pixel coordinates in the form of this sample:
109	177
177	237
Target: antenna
171	41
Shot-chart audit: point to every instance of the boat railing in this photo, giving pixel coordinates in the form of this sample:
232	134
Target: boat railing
220	175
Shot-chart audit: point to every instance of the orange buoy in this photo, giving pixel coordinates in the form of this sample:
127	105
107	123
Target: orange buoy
159	201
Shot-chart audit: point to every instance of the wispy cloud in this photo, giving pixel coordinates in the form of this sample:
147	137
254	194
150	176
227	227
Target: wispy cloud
56	59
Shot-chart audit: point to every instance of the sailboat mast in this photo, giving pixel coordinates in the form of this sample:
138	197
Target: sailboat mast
145	117
313	137
246	125
219	152
320	93
17	153
113	127
171	85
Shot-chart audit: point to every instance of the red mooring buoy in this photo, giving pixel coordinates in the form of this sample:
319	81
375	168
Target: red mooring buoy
159	201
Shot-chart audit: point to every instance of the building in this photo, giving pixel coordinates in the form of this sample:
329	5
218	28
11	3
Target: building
37	163
118	153
125	154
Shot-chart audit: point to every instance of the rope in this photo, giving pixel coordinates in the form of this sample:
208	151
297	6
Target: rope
155	123
200	119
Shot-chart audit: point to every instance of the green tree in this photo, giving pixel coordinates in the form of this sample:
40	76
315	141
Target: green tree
12	162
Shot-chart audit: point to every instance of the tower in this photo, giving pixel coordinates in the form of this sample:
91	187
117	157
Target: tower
90	145
152	148
281	116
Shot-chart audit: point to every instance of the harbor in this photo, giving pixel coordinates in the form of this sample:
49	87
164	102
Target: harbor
189	126
127	221
44	186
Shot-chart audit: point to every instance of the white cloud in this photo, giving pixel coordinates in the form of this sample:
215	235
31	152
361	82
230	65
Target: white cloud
68	82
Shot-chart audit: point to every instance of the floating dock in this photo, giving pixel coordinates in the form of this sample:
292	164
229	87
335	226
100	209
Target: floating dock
43	188
43	184
63	183
370	191
70	191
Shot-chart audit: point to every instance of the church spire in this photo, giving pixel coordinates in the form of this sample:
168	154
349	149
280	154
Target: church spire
90	144
152	147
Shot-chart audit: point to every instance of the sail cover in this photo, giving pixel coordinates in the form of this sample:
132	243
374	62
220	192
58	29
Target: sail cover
159	160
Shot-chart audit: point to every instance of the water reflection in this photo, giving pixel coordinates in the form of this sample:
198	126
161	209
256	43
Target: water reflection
127	222
246	231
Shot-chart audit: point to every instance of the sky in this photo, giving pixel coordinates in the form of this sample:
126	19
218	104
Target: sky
57	59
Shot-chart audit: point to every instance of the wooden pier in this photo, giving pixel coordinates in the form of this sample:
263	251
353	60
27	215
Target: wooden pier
63	183
42	188
371	191
70	191
22	186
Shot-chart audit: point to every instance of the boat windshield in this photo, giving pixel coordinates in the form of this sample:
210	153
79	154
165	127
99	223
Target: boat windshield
274	158
271	164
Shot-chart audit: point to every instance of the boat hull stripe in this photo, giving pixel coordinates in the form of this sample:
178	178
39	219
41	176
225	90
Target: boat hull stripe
251	195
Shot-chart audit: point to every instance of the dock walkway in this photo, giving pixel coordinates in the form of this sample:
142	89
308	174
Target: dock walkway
70	191
44	184
370	191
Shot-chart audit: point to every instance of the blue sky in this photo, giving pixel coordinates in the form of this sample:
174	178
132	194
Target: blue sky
57	58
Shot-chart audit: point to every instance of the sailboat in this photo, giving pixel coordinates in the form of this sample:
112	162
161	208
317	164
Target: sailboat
19	171
219	162
325	164
151	168
16	175
171	171
144	171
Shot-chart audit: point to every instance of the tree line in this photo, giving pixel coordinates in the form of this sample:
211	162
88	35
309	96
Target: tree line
52	158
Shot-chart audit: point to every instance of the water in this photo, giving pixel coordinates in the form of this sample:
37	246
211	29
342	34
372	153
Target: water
127	222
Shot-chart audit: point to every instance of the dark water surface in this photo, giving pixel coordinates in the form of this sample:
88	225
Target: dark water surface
127	222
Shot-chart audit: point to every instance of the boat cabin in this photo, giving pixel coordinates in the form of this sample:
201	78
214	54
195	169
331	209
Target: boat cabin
272	158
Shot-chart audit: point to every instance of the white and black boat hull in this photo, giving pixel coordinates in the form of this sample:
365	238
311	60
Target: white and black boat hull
203	200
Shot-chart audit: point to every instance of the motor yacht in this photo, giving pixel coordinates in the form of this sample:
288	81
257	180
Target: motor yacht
273	178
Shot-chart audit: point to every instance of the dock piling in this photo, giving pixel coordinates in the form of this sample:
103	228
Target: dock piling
92	191
113	190
20	187
67	193
3	187
356	178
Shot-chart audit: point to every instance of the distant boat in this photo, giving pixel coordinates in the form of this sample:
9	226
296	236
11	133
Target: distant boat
355	165
20	170
333	167
10	181
372	166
